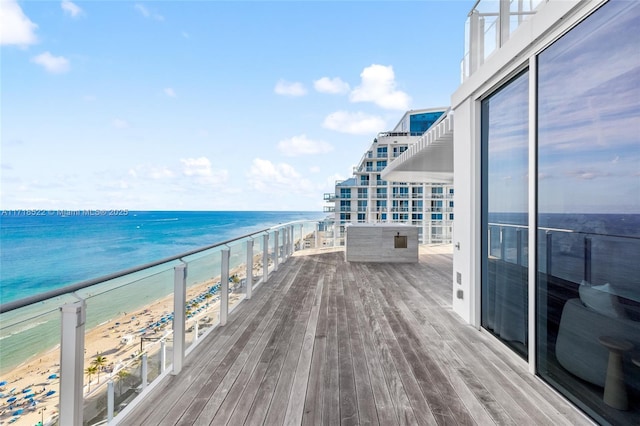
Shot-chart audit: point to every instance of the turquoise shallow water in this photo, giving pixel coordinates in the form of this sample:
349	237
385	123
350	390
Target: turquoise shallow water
40	253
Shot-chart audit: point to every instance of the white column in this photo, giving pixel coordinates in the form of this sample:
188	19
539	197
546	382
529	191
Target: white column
249	273
163	355
265	257
533	219
110	401
476	42
504	21
276	242
316	235
179	317
72	362
301	237
224	286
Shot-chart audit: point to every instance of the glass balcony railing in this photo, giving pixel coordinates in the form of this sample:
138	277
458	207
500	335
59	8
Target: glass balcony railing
489	26
104	341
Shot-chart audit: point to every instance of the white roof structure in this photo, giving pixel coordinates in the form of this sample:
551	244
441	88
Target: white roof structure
430	159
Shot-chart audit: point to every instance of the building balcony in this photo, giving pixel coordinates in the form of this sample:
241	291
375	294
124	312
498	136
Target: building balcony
329	209
330	196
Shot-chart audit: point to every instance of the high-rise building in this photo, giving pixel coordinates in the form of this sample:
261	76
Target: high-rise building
367	198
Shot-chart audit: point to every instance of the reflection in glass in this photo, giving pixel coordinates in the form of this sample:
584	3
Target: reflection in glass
504	213
589	214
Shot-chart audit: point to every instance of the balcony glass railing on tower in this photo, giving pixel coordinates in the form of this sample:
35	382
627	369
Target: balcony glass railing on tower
488	27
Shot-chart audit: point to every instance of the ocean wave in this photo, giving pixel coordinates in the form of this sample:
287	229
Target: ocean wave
27	327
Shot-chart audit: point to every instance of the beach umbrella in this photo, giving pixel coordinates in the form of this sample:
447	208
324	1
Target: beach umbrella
3	383
18	412
13	398
53	376
51	392
25	390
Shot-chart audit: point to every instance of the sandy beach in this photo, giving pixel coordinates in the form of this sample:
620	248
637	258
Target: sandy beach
35	384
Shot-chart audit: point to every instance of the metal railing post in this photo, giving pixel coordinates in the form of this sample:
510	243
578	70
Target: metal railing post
179	317
502	244
316	234
265	257
286	242
224	285
249	273
72	362
587	259
476	42
301	237
549	254
276	243
195	332
144	373
110	401
163	356
519	248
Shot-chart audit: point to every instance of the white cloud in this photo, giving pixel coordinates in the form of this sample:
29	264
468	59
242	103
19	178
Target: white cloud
287	88
170	92
301	145
151	172
119	123
144	11
356	123
332	179
71	8
200	168
15	27
271	178
378	85
331	85
196	166
314	169
53	64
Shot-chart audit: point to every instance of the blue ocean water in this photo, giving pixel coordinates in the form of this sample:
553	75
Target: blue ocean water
42	252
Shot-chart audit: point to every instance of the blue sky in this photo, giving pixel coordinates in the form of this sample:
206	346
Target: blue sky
209	105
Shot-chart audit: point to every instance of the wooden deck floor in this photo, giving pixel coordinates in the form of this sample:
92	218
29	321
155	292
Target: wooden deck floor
326	342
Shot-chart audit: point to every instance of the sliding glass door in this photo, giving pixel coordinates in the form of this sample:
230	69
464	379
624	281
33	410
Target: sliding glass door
504	213
588	257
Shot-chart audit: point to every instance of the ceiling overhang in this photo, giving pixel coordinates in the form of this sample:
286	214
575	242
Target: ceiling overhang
430	159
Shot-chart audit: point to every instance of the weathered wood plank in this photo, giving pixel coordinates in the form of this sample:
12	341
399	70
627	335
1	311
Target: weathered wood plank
295	407
313	403
331	401
348	407
366	403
